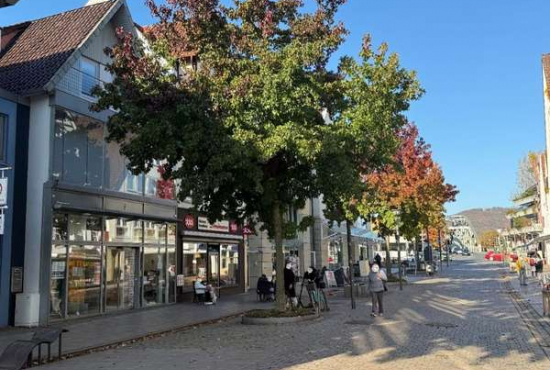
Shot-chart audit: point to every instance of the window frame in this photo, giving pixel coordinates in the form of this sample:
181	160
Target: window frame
95	76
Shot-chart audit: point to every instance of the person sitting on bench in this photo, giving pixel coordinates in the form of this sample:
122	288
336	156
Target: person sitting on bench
205	293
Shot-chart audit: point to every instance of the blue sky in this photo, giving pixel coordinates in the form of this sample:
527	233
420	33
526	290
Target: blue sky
479	61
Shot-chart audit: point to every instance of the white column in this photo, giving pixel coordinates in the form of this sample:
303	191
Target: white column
28	303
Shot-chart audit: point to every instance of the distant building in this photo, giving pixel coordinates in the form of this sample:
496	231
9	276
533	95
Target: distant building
462	231
525	221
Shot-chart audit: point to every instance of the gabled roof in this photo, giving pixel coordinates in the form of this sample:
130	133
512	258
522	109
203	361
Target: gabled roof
36	50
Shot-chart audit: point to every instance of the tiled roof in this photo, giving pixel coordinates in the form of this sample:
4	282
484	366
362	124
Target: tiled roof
546	70
42	46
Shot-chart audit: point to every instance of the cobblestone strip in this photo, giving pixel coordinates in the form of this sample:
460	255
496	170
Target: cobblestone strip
537	325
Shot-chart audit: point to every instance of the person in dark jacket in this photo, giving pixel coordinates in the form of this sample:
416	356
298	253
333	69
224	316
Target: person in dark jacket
290	284
262	287
378	260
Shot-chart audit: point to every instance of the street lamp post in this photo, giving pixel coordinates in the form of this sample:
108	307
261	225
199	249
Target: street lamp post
440	250
398	256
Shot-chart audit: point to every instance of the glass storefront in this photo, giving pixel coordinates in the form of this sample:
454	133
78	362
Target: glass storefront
101	264
216	263
194	263
82	156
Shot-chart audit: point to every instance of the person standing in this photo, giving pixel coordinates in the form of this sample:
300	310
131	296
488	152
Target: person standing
290	284
376	281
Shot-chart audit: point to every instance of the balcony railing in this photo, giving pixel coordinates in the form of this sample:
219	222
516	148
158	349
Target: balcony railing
79	83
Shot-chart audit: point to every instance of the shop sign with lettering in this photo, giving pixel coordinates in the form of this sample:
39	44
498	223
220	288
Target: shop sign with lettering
218	226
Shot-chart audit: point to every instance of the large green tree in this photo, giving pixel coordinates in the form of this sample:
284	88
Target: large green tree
245	133
363	137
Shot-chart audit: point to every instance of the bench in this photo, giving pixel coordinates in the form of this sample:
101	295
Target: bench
19	354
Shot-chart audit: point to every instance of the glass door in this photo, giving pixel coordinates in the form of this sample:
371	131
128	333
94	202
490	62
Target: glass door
122	278
214	264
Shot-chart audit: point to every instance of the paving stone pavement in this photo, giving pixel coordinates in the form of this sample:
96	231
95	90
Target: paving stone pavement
463	319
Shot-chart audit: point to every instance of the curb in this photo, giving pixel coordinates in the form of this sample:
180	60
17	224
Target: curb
141	338
277	320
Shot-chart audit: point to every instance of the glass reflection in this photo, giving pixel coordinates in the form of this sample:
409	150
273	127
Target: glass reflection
84	280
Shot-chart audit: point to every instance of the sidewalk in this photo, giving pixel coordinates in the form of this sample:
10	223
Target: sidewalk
99	331
530	292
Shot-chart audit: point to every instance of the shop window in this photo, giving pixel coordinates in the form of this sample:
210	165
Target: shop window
194	263
229	271
171	231
60	226
84	280
154	274
78	149
57	281
123	230
84	228
172	274
155	233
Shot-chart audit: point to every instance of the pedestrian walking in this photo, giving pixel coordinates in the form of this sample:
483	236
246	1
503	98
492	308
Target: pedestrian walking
520	268
539	265
533	266
376	281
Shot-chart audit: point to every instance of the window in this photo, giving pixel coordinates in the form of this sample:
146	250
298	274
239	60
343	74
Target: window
90	75
229	272
3	131
134	183
78	149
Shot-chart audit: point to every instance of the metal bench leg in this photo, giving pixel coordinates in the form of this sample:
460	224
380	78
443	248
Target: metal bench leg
60	344
49	351
29	359
39	353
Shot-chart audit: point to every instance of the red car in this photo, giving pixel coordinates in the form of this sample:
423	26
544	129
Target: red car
492	256
514	257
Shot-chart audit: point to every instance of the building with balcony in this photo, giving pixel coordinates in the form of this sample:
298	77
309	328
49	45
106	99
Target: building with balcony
525	222
97	237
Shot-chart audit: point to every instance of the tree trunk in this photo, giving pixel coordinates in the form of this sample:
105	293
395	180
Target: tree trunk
280	257
388	257
350	259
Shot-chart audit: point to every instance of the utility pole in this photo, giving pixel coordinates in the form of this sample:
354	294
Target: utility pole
398	256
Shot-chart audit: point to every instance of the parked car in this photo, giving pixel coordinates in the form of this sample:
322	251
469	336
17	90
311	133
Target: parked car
497	257
492	256
466	252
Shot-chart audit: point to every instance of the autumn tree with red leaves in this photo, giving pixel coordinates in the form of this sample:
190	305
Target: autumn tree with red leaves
412	191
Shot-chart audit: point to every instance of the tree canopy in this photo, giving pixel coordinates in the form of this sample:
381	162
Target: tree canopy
262	124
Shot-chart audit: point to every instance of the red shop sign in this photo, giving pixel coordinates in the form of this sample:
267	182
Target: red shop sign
189	222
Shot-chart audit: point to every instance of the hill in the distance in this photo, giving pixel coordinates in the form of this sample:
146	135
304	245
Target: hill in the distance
487	219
